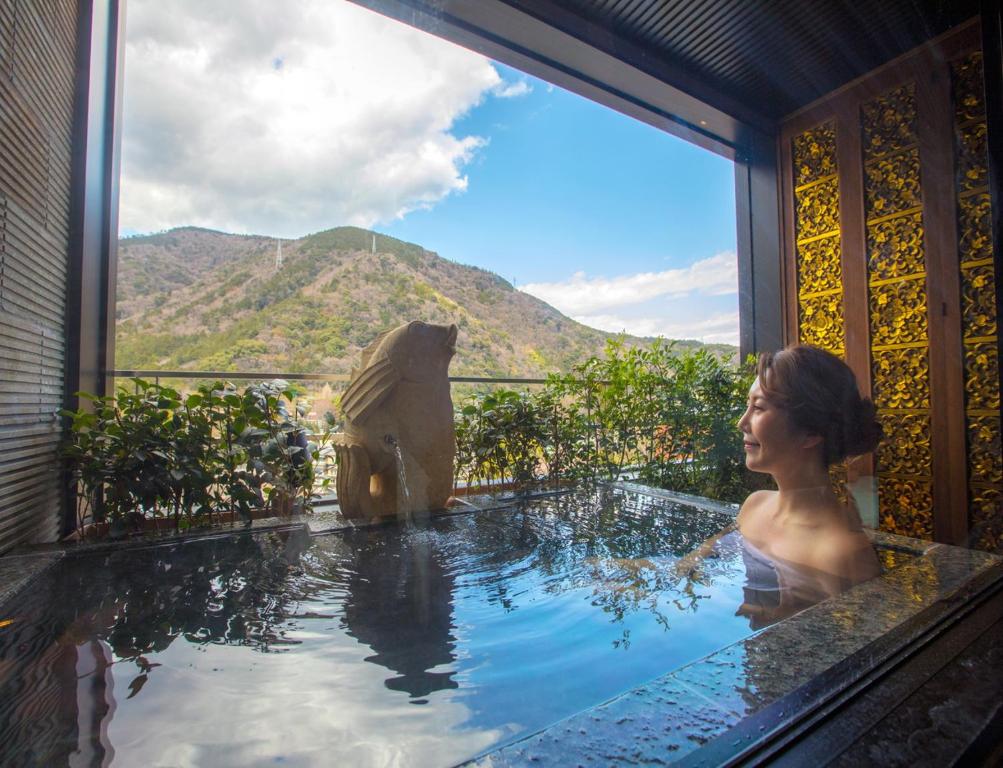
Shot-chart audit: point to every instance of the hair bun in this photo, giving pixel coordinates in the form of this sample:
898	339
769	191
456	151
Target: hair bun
863	430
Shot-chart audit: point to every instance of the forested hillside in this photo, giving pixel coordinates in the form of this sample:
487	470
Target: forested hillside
198	299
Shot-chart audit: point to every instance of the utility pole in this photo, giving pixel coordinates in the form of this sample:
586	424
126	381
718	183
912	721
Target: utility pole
278	256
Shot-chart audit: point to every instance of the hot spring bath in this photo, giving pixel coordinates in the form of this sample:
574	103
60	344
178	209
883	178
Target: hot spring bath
426	645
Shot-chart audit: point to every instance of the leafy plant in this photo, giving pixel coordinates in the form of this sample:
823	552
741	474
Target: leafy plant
664	416
150	452
499	436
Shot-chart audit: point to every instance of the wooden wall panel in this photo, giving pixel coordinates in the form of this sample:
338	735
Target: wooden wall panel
975	282
898	308
37	69
916	315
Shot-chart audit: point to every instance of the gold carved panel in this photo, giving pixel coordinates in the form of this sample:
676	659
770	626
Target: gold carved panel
895	247
966	75
972	152
984	451
901	378
986	517
978	301
889	122
898	312
906	506
839	477
978	306
814	154
982	376
816	212
975	227
819	266
892	184
821	322
905	447
817	209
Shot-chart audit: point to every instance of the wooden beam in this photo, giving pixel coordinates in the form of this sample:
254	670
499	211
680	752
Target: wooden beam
853	250
587	63
90	305
760	283
943	291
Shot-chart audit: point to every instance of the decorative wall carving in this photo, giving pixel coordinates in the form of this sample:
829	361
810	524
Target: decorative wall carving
889	122
905	448
814	154
900	318
906	506
968	88
839	477
892	184
898	312
982	376
817	209
819	266
975	227
972	151
818	254
978	306
986	517
984	450
901	378
895	247
978	301
821	322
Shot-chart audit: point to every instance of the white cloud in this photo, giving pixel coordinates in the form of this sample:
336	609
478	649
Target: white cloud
720	328
582	295
512	90
250	116
324	706
694	302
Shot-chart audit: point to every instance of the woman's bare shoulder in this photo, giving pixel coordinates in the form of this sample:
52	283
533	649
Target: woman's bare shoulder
849	554
753	503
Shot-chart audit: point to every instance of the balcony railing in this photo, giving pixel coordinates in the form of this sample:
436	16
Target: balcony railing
330	498
156	375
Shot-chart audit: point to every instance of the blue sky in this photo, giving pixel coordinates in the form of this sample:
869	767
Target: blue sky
565	184
328	114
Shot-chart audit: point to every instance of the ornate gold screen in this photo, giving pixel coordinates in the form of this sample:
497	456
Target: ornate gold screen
816	226
978	305
897	310
867	278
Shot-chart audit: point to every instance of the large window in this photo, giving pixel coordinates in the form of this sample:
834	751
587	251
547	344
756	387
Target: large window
296	179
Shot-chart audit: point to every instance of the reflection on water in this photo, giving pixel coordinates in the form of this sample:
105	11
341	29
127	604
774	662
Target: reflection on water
422	645
398	602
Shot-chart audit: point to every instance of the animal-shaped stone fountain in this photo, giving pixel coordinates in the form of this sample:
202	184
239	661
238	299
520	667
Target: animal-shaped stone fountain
395	456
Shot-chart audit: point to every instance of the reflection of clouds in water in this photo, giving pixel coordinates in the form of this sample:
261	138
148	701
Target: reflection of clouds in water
503	622
325	707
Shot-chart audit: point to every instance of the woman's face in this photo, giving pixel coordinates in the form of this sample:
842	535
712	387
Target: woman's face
772	443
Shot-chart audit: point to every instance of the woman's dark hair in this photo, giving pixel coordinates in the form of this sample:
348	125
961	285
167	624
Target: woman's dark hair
820	393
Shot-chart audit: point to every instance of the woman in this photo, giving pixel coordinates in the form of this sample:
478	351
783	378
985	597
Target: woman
800	543
804	414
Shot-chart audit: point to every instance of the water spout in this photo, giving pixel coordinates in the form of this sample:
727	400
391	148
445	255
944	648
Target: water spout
404	513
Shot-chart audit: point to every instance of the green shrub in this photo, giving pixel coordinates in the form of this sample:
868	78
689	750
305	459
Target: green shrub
150	452
665	416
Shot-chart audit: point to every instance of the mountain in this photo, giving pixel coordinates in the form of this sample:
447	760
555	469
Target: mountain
197	299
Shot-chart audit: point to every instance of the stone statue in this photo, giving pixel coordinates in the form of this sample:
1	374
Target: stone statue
395	456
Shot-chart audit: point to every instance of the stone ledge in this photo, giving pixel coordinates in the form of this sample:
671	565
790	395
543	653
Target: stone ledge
674	715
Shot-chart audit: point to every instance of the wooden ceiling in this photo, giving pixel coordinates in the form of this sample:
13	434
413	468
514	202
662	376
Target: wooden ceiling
771	57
